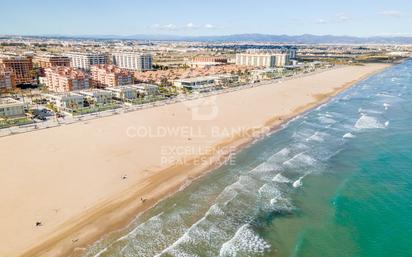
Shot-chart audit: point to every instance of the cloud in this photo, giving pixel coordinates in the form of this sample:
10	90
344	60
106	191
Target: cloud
169	26
338	18
391	13
342	17
188	26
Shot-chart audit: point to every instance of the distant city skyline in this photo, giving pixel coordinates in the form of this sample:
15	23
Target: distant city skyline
201	18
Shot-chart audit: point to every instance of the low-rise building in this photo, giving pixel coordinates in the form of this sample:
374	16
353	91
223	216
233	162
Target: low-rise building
66	79
267	73
226	79
197	83
146	89
123	92
10	108
66	100
98	96
206	82
105	75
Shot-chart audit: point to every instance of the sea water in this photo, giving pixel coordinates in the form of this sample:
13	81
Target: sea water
336	181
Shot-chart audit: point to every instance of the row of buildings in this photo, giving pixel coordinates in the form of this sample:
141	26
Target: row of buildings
16	70
64	79
81	70
66	101
76	99
124	60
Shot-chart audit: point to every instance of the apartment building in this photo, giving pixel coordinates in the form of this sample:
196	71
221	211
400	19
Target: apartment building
68	100
146	89
98	96
10	108
86	60
47	61
267	59
201	61
133	61
123	92
7	80
21	66
105	75
281	59
65	79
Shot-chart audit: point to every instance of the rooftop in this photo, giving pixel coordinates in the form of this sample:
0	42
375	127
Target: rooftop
9	102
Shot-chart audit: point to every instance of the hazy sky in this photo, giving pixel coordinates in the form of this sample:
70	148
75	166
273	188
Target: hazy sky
206	17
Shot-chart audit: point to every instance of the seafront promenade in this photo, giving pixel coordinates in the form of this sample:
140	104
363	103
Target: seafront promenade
69	119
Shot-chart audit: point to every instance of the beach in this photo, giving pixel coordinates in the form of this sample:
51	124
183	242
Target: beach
83	180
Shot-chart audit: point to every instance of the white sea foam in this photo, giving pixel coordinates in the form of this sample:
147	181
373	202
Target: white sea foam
386	123
326	120
284	152
299	160
269	190
185	238
317	136
274	201
368	111
298	182
134	232
215	210
348	135
245	242
100	252
368	122
280	179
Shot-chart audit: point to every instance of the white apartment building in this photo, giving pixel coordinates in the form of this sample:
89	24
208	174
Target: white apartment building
85	60
123	92
282	59
66	100
133	61
11	108
262	59
255	59
146	89
99	96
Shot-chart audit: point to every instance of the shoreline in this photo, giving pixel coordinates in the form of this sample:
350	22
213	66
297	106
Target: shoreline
119	211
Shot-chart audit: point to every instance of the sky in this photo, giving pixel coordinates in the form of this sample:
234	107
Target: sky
206	17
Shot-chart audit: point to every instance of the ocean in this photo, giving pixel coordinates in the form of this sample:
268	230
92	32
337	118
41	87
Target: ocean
333	182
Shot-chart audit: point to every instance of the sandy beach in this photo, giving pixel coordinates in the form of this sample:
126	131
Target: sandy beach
83	180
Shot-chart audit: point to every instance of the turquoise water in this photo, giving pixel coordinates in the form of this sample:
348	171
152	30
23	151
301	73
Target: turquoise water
336	181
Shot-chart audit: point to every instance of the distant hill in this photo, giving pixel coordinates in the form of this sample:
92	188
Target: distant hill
264	38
